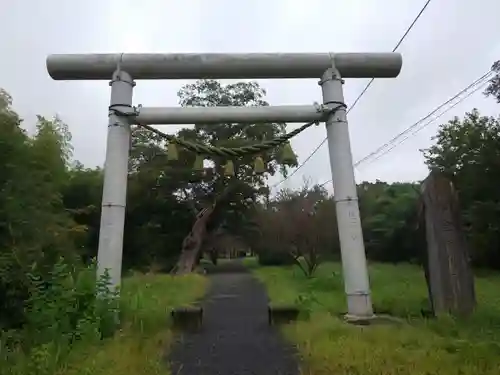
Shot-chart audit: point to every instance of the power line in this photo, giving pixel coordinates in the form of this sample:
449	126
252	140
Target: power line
476	85
359	96
476	82
429	122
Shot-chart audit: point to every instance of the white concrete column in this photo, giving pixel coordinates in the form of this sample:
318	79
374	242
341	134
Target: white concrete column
356	283
115	178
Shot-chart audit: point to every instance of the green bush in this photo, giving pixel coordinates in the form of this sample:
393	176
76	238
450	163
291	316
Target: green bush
68	307
275	258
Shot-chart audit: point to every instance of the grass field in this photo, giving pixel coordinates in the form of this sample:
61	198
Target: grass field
140	345
415	346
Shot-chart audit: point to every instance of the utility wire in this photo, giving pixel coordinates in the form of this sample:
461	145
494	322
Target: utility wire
475	86
426	124
358	98
407	130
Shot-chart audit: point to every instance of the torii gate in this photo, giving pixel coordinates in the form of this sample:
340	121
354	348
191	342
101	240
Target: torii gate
331	68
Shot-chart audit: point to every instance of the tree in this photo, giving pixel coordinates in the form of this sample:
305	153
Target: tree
35	230
223	205
466	151
388	216
493	88
158	216
298	225
81	194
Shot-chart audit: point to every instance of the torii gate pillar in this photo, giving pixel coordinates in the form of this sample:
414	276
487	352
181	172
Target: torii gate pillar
114	196
352	248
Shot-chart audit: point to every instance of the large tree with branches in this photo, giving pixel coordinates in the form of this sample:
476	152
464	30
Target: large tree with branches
221	193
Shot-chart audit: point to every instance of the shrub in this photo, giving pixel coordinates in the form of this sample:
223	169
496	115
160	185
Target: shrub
275	258
67	307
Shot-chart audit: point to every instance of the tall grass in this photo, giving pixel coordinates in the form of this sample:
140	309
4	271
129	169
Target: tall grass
69	330
415	346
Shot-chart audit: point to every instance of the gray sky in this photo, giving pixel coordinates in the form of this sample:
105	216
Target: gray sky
454	42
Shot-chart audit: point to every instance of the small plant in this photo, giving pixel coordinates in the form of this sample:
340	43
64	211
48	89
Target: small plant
305	302
64	308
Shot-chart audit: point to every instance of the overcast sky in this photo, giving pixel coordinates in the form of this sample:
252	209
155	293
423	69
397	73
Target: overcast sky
453	43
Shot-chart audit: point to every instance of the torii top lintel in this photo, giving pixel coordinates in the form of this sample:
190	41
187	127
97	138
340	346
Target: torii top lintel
222	65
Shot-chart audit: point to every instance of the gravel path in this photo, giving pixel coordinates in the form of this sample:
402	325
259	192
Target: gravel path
236	338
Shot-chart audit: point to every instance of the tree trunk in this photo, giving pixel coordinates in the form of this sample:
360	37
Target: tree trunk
192	244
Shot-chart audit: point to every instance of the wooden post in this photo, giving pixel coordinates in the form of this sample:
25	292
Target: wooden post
450	275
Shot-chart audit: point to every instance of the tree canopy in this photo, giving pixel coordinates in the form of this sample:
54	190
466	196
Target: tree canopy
493	88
